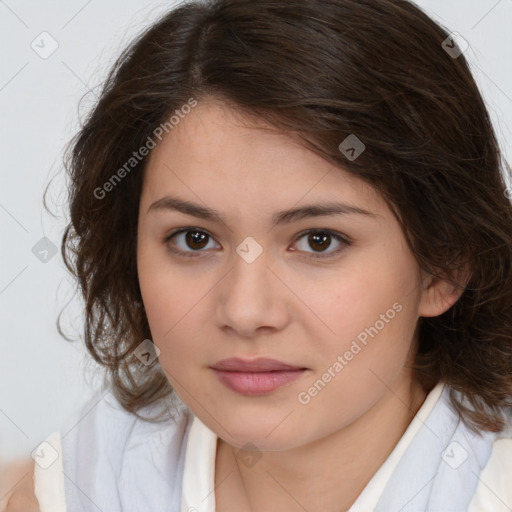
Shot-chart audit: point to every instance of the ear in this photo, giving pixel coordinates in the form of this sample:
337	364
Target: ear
440	294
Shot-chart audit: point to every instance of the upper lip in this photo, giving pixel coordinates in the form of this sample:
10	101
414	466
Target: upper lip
262	364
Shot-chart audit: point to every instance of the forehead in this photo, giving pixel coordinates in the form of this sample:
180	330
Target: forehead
224	157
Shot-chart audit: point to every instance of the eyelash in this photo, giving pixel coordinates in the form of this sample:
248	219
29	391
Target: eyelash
196	254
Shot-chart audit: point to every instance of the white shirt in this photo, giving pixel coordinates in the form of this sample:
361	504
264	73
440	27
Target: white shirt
195	468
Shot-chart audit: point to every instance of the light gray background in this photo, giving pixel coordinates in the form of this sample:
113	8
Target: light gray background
44	378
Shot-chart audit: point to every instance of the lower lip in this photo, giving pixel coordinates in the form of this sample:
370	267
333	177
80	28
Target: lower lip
257	383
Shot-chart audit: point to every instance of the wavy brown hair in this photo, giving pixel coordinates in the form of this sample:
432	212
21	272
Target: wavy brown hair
321	71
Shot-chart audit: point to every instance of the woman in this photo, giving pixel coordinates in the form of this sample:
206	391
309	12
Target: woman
290	226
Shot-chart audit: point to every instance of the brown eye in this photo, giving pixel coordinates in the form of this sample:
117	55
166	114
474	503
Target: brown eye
196	239
188	242
320	241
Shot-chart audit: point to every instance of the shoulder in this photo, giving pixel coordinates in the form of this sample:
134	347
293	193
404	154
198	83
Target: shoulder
17	487
494	491
101	427
112	453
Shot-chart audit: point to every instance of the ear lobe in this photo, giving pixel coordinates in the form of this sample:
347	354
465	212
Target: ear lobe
440	294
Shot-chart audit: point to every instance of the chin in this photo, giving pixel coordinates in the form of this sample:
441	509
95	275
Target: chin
269	434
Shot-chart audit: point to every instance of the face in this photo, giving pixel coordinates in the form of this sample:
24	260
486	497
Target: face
336	297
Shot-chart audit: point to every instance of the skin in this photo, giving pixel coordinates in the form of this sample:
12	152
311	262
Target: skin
17	487
285	305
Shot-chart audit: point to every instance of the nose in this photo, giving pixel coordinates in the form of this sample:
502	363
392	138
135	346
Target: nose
251	299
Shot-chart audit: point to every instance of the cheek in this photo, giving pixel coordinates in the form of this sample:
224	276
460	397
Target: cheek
161	290
173	298
161	283
371	313
166	307
368	353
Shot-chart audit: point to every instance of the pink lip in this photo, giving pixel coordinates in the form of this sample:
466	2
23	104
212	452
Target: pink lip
256	377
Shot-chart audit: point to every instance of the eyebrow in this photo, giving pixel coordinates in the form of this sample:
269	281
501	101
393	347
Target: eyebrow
281	217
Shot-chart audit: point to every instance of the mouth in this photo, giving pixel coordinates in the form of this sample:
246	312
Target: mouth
256	377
